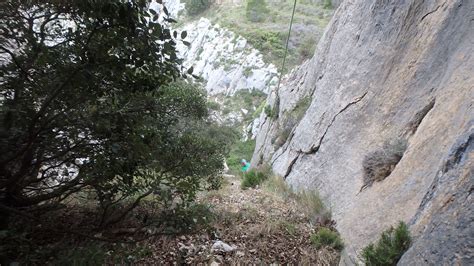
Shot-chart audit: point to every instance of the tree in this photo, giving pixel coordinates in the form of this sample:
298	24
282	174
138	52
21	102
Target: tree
89	100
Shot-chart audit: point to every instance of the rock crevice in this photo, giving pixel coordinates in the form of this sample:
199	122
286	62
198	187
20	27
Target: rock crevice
407	66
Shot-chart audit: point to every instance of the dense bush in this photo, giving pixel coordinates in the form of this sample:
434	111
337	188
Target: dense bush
185	219
256	10
268	42
327	238
380	163
327	4
98	106
389	248
271	112
196	7
213	106
254	178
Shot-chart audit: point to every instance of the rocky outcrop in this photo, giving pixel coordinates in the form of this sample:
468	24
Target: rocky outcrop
224	60
173	8
384	71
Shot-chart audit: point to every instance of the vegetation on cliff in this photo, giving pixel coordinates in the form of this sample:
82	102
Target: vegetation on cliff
266	28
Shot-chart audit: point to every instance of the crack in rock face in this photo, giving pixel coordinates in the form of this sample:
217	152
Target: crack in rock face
419	80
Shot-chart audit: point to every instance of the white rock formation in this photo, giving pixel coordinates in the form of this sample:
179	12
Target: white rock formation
173	7
224	60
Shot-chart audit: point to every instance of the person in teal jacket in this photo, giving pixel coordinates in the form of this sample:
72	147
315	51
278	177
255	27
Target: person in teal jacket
245	165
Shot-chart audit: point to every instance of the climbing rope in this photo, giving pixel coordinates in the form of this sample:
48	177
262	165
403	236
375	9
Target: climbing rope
286	48
276	106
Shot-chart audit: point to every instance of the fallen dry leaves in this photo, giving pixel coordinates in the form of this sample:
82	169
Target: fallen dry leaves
259	227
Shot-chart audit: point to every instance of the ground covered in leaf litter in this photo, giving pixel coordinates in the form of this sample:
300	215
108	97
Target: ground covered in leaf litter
249	227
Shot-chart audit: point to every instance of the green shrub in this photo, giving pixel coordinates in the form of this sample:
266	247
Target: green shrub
213	106
268	42
327	238
327	4
196	7
389	248
185	219
271	112
253	178
256	10
259	110
248	71
380	163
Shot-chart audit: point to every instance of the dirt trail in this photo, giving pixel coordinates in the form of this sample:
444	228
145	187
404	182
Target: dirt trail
249	226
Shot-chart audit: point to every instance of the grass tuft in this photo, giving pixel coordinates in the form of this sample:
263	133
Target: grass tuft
309	200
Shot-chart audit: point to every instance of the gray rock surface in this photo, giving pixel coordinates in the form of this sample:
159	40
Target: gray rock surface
386	70
224	60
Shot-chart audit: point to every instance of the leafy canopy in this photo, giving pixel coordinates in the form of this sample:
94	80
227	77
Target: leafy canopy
90	98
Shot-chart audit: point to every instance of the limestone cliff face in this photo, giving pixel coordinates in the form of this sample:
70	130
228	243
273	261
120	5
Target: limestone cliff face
386	70
225	60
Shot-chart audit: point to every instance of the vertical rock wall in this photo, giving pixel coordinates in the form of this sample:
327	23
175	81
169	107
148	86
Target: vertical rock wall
385	71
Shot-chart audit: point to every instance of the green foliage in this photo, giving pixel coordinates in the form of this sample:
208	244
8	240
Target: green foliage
270	43
248	71
259	109
389	248
327	238
240	150
187	219
380	163
99	106
275	22
249	98
256	10
327	4
254	177
271	112
196	7
243	99
213	106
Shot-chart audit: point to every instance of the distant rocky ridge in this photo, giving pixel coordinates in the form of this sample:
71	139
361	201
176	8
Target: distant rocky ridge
386	70
225	60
